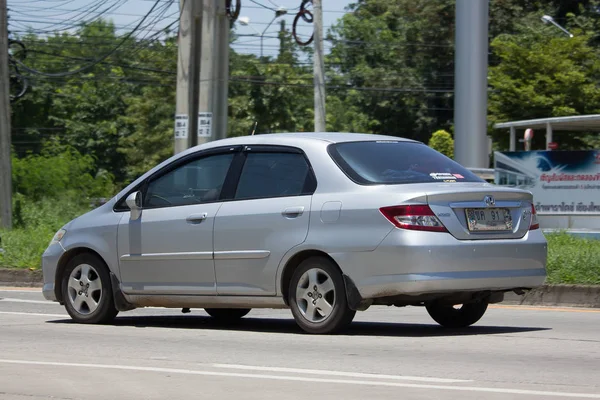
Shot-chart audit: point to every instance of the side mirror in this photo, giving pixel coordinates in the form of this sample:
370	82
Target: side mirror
134	202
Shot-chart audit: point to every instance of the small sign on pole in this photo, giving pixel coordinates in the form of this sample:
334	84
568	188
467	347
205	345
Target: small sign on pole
205	124
181	126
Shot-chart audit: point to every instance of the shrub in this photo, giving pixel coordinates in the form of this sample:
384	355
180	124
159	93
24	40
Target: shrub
59	172
442	141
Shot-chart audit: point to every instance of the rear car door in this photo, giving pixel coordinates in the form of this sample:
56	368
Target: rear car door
267	217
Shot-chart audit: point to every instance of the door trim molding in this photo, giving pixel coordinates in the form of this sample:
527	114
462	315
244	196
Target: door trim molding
192	255
242	254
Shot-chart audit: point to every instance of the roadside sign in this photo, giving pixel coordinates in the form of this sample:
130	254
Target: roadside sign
181	126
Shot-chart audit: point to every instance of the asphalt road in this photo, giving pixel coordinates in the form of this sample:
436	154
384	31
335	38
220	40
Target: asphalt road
512	353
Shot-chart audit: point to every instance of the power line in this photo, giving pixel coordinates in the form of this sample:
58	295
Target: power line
97	61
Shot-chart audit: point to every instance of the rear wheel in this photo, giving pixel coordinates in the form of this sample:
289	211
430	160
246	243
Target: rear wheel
457	316
227	314
317	297
87	291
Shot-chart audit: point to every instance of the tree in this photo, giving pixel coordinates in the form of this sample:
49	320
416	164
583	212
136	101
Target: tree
397	58
442	141
543	75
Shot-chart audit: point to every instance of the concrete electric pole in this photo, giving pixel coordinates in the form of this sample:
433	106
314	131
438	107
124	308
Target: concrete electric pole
5	162
188	74
221	73
319	68
202	73
208	67
470	85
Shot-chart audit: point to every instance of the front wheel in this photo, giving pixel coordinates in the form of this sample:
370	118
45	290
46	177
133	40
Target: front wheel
87	291
317	297
457	316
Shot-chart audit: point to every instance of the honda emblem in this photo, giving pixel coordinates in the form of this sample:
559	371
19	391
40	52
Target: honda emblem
489	201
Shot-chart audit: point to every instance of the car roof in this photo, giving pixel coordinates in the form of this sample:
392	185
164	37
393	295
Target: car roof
286	138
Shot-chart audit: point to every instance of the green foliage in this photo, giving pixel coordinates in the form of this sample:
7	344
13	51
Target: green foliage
573	260
38	222
543	75
59	172
442	141
398	57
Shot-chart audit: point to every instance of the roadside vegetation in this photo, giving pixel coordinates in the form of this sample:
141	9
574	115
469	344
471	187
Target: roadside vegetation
573	260
51	189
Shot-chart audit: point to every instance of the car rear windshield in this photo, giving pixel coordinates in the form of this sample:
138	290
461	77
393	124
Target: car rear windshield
397	162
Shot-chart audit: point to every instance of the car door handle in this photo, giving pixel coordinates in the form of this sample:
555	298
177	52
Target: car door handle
196	218
293	212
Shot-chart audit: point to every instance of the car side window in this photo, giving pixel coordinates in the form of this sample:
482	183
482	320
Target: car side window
198	181
274	175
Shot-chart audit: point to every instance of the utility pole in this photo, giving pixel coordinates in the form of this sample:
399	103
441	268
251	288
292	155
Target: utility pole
188	74
208	66
319	67
470	85
221	73
5	162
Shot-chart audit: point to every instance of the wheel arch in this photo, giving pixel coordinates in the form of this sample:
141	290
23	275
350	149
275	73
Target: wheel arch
355	301
64	261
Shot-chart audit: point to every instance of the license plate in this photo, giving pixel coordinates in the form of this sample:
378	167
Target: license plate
489	219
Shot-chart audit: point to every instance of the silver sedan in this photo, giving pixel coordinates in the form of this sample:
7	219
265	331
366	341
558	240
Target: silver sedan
326	224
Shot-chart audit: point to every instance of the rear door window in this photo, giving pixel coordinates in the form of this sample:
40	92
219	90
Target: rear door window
396	162
274	175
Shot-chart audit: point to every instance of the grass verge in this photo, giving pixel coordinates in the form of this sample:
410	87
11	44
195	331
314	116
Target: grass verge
573	260
35	223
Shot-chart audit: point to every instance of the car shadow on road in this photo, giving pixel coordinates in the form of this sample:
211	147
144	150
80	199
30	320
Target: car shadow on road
288	326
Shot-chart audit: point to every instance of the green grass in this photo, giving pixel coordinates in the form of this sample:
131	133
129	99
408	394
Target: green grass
35	225
573	260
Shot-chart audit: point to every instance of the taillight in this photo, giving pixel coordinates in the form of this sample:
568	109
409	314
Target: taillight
534	220
414	217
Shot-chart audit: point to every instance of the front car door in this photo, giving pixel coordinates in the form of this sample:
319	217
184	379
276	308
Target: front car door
169	248
267	217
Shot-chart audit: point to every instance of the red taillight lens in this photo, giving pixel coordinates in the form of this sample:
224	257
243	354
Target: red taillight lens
534	219
414	217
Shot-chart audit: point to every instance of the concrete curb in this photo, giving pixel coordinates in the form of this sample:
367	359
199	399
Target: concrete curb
20	277
548	295
558	295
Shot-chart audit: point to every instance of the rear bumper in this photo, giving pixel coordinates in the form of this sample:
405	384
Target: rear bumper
415	263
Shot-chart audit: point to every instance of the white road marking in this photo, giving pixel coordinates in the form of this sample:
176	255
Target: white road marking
339	373
20	290
35	314
11	300
306	379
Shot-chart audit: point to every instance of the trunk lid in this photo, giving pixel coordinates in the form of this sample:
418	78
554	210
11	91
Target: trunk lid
480	211
505	215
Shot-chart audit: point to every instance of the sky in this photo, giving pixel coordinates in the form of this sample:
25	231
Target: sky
56	15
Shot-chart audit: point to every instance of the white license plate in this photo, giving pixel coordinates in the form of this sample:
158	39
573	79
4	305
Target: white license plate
489	219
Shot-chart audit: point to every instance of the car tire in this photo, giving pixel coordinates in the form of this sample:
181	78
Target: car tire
87	290
227	314
317	297
450	317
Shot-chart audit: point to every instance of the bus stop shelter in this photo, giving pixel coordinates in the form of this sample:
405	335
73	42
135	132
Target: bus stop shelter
588	123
